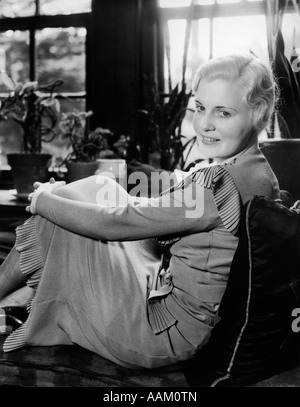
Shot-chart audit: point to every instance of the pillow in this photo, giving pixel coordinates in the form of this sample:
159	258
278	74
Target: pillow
254	338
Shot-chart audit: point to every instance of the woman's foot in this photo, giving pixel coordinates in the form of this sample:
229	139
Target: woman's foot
11	318
13	309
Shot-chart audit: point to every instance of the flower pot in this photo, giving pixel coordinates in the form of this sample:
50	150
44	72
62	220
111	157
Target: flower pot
78	170
27	169
284	158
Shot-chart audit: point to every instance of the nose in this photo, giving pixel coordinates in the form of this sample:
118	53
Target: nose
206	122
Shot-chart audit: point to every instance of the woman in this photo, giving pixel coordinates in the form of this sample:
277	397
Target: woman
94	270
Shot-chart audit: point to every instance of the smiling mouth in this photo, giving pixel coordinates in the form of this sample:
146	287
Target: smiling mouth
209	140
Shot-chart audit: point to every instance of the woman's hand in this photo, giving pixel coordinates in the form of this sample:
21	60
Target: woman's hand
40	187
296	207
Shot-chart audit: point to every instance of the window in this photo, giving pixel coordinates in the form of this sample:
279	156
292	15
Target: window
45	40
218	27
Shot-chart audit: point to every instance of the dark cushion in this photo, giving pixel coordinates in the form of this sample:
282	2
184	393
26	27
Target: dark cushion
254	338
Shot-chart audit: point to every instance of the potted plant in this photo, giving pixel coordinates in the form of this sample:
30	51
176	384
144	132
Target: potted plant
163	114
36	109
86	146
283	151
163	123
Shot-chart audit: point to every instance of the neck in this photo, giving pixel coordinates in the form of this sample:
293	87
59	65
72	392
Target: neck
253	144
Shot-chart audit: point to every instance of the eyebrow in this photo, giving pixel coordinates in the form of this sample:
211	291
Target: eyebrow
218	107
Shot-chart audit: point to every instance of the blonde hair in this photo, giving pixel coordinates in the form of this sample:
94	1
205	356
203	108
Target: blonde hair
256	76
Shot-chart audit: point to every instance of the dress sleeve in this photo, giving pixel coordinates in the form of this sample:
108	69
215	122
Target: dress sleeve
166	215
189	207
227	199
225	193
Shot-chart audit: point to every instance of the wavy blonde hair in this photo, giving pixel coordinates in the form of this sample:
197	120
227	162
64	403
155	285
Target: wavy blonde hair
256	77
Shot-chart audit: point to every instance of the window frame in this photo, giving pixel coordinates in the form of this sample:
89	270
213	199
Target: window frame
244	8
39	21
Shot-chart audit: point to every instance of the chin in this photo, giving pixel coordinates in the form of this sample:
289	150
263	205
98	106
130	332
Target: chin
207	152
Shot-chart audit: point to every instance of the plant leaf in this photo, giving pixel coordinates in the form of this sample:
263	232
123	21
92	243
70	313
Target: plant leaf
289	91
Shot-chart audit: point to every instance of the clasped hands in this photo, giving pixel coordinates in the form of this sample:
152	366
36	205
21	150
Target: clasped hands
40	187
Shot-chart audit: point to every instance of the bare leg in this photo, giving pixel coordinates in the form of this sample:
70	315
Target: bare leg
11	277
18	298
13	289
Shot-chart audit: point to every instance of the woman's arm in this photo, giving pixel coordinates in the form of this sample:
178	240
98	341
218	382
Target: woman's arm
165	215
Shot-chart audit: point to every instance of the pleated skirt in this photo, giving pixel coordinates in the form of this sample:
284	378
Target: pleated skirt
95	294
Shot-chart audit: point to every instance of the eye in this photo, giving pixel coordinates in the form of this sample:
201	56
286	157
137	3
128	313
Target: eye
200	108
224	113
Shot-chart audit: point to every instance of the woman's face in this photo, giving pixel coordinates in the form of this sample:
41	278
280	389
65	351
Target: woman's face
221	121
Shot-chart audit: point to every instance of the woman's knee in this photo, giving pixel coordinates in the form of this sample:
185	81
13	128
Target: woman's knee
110	192
68	193
98	189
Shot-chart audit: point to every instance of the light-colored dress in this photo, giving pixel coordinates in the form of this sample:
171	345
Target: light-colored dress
103	285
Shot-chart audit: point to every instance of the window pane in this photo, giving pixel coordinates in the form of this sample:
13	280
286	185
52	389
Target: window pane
228	1
176	33
185	3
291	33
198	48
205	2
64	6
15	44
240	34
72	104
14	8
174	3
11	135
61	55
59	147
10	140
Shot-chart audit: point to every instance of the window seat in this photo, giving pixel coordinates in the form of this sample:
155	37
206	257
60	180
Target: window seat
73	366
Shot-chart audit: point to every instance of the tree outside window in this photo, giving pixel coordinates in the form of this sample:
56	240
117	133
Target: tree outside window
44	40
